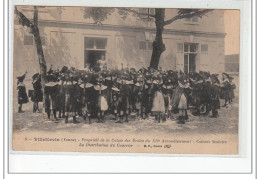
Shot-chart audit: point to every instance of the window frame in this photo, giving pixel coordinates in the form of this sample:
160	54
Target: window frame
145	44
178	45
26	40
95	43
191	20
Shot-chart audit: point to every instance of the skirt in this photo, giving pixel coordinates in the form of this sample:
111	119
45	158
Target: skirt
183	102
158	103
104	105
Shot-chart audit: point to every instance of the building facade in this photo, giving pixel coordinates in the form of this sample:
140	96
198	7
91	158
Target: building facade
70	39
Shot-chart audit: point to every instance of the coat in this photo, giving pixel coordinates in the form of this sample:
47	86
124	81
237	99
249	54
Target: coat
215	92
37	95
22	95
50	91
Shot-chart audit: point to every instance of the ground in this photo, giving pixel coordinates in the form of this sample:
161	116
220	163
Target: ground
226	123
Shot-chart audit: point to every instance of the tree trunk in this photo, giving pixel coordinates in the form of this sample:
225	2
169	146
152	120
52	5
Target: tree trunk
158	45
42	62
37	39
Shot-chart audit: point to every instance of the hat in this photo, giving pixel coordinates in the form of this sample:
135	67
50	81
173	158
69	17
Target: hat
226	75
51	77
196	76
50	70
21	78
64	69
140	77
214	78
36	75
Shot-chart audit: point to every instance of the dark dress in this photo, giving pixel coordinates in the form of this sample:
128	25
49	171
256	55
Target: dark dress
176	97
60	98
50	92
22	95
123	101
72	97
37	91
215	92
226	90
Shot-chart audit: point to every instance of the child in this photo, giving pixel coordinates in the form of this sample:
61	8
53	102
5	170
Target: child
37	92
22	95
180	99
139	94
158	107
215	91
123	101
102	102
85	108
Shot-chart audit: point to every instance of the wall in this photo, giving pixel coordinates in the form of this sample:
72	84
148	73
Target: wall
65	42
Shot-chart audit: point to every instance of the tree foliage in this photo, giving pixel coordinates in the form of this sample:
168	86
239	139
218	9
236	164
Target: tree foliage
99	14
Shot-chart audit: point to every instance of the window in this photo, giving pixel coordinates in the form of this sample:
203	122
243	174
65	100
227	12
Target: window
95	50
180	47
193	47
145	45
142	45
101	43
204	48
190	48
28	40
186	47
150	45
95	43
192	19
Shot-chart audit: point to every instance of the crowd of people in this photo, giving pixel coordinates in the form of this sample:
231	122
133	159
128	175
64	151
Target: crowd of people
95	93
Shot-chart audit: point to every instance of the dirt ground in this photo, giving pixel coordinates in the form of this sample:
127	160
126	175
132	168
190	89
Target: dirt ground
226	123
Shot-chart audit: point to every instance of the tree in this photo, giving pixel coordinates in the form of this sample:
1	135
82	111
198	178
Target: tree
34	29
99	14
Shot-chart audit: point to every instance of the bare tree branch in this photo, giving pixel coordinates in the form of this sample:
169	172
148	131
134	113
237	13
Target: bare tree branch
197	13
22	19
136	12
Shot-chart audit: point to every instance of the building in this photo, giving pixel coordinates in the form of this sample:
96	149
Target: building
72	40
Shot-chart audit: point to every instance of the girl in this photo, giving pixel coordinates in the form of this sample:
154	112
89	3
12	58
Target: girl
180	99
158	107
102	101
22	95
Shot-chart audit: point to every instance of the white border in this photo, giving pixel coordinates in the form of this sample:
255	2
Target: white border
74	162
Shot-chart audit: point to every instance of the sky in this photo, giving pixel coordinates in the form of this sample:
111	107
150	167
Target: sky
231	19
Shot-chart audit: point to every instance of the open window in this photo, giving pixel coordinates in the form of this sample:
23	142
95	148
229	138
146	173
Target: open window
95	50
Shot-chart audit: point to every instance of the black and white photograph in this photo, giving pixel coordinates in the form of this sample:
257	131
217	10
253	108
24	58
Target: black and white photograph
125	80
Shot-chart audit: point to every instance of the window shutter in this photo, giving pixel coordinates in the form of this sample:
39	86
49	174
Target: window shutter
28	40
142	45
180	47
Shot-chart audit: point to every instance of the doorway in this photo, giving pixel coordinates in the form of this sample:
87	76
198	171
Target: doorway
189	63
92	57
190	57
